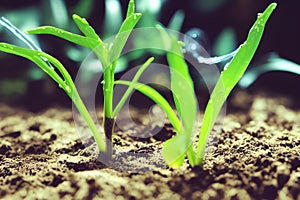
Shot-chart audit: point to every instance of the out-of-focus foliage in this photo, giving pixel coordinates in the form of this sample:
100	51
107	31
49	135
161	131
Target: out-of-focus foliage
271	63
224	36
209	5
29	16
10	87
225	43
113	10
151	10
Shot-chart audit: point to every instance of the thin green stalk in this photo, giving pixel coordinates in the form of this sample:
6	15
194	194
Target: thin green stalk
109	120
85	114
130	88
108	92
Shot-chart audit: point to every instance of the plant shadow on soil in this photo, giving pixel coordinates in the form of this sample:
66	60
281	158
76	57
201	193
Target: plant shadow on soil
255	155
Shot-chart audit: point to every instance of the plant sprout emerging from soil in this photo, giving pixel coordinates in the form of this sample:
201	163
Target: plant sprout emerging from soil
176	148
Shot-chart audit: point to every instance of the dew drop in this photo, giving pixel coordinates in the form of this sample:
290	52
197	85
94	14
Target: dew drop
196	40
226	66
259	15
68	89
228	89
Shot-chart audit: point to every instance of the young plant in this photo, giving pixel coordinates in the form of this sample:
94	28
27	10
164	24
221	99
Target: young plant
176	148
230	76
108	55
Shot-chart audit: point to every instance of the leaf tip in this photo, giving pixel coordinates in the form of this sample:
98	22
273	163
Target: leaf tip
273	5
131	8
75	16
30	31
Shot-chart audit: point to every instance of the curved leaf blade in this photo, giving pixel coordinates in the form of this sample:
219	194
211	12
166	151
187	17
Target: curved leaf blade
230	77
157	98
71	37
182	88
131	8
272	64
85	28
122	36
34	56
38	57
130	88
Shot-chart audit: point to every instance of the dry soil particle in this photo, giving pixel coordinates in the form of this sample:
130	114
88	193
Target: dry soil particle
255	156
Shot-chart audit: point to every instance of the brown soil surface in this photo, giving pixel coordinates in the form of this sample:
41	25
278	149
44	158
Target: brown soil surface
254	156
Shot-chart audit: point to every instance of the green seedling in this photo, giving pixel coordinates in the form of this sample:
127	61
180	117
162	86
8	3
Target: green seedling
229	77
108	54
176	148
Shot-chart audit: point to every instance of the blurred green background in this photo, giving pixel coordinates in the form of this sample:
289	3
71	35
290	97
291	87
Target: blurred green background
225	22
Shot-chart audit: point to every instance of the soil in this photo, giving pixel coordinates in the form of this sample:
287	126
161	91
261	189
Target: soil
254	155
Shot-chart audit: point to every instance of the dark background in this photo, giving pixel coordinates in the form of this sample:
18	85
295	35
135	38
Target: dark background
281	36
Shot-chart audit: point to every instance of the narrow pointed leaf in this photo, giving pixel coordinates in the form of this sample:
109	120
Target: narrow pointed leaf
85	28
157	98
182	88
230	77
131	8
71	37
130	88
34	56
176	21
186	104
122	36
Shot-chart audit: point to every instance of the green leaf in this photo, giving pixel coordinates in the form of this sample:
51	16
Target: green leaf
130	88
229	78
185	101
95	45
71	37
176	21
40	58
174	151
131	8
182	88
34	56
157	98
85	28
122	36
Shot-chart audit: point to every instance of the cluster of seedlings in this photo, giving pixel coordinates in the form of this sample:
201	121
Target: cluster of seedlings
183	119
